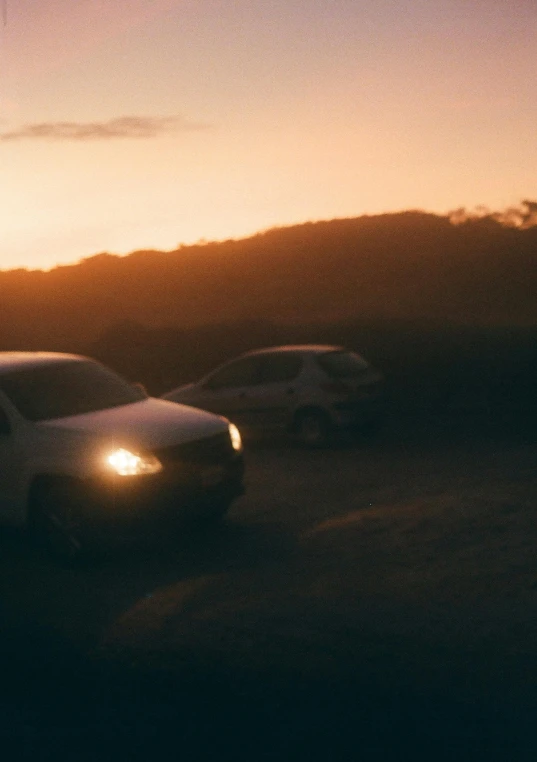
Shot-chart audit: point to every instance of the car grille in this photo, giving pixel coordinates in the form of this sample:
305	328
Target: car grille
209	451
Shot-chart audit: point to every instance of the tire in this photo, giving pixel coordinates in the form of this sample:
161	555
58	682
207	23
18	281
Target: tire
56	524
312	428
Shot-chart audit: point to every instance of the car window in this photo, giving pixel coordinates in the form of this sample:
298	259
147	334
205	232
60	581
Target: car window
280	367
243	372
342	364
67	388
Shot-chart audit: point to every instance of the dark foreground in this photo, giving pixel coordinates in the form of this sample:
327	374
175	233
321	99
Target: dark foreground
371	602
73	709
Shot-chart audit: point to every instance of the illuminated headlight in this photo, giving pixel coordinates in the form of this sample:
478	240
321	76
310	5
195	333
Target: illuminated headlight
235	437
126	463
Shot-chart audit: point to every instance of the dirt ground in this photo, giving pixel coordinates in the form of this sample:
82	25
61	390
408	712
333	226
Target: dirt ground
370	601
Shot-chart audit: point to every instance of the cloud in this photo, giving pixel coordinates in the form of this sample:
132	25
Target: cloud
121	127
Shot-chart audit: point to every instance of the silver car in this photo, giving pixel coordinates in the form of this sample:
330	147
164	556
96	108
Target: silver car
85	455
307	390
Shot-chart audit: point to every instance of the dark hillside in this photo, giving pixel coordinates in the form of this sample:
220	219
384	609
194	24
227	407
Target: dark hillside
448	311
403	266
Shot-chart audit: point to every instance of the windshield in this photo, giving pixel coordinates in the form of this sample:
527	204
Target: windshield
343	364
67	388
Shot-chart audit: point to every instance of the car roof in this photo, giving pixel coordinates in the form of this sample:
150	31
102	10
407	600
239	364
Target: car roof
296	348
11	361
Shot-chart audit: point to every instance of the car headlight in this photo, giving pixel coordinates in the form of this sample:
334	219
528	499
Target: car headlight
126	463
235	436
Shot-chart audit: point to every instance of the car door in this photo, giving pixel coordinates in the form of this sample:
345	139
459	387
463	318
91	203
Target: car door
228	390
271	400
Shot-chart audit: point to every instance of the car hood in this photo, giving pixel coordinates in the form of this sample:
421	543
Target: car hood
148	423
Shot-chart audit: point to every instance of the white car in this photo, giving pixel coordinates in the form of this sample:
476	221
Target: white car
83	452
307	390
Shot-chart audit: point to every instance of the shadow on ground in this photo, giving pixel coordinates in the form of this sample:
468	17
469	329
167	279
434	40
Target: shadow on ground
82	603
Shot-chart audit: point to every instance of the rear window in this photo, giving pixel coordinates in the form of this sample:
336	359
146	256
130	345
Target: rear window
342	364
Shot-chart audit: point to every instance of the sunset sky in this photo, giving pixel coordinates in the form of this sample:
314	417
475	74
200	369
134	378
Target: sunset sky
129	124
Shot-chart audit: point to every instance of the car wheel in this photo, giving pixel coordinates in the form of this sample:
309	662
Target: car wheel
55	523
312	428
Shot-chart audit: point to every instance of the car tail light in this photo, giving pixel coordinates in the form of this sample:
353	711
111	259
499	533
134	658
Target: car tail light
336	387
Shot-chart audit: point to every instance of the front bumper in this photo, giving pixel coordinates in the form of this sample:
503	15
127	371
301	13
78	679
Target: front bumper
194	477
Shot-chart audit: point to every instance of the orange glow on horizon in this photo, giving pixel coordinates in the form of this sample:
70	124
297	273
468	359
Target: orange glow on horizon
152	125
